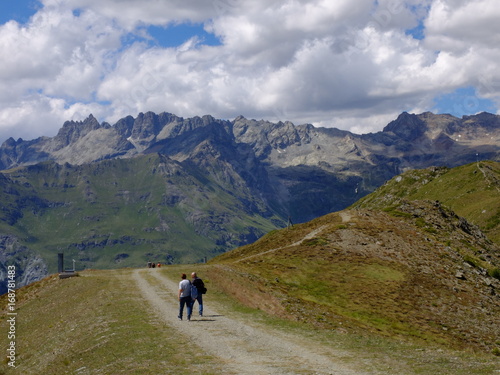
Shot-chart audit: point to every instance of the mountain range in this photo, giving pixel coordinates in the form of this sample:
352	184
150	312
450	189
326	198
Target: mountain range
163	188
306	171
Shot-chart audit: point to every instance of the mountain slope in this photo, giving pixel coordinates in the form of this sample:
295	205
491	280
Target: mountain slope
370	270
404	268
310	171
177	190
126	212
386	281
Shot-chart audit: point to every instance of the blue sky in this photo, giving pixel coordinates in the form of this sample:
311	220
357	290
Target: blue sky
176	35
463	101
351	65
18	10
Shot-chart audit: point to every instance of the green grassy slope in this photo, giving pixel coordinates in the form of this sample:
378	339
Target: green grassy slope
403	268
125	212
472	191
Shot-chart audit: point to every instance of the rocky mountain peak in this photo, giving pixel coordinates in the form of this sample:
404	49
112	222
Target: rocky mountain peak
407	126
484	119
73	130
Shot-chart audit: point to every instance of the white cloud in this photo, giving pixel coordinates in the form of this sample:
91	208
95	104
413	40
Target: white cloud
35	116
132	13
455	25
468	35
343	63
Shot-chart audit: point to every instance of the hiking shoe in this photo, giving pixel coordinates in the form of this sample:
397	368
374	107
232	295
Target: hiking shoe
189	318
180	317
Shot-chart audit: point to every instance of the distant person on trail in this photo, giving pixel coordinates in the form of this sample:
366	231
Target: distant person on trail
200	286
185	297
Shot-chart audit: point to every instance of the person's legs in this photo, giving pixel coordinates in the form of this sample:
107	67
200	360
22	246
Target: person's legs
184	301
200	304
181	307
189	304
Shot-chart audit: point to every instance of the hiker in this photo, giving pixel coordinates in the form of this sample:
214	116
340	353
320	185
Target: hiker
185	297
200	286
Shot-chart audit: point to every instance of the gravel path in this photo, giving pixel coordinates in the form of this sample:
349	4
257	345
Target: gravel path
244	349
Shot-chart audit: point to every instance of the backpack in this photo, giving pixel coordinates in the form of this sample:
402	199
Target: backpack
194	292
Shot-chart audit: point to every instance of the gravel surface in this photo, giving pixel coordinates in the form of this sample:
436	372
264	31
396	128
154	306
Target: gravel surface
242	347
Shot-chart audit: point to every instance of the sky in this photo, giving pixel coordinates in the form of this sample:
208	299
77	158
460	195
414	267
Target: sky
353	65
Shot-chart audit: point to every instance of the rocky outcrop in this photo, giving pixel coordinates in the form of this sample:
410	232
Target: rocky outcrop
72	131
410	139
407	127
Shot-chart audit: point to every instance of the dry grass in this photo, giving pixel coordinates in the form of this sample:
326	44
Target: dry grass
388	354
375	273
97	324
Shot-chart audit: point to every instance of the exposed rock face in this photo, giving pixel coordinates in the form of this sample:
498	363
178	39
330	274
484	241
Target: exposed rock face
29	267
281	143
407	127
72	131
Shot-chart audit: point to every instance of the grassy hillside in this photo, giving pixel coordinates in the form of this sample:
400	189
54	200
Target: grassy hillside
416	273
95	323
99	323
400	263
472	191
125	212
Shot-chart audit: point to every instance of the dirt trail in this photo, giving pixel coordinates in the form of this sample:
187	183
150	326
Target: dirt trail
243	348
313	234
346	217
488	178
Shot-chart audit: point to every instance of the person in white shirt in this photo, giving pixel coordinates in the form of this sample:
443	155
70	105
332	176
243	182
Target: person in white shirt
185	297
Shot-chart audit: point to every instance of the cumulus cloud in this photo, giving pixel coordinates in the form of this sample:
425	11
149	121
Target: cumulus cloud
467	33
454	26
51	68
350	64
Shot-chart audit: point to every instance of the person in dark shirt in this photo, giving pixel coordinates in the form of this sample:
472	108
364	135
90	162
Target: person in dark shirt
200	286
